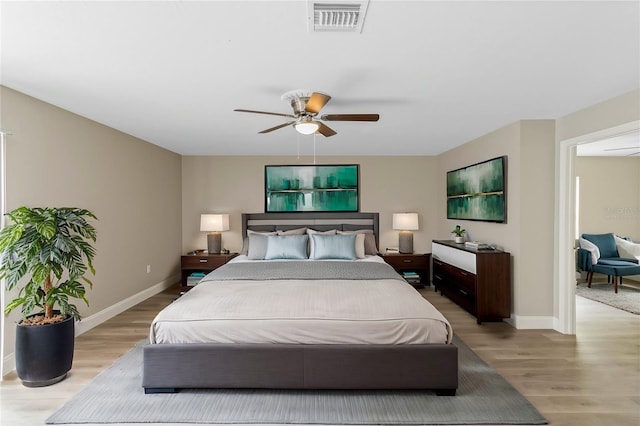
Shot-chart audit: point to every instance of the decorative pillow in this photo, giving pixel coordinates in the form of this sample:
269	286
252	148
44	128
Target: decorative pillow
299	231
589	246
311	233
628	249
370	246
334	246
286	247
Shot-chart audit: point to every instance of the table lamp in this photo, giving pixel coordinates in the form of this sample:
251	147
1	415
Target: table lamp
405	223
214	224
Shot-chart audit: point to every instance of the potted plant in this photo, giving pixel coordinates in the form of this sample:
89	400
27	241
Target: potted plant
459	234
51	249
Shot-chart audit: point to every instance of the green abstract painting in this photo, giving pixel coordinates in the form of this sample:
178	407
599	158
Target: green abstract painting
478	192
317	188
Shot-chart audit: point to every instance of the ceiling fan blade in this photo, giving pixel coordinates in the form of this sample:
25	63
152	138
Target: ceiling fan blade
280	126
350	117
264	112
316	102
325	130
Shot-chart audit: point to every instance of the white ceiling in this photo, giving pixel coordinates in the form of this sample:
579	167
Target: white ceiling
438	73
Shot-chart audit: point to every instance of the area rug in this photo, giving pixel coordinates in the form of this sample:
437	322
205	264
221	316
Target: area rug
627	298
116	396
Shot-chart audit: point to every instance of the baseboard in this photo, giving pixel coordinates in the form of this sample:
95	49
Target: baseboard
9	363
99	317
522	322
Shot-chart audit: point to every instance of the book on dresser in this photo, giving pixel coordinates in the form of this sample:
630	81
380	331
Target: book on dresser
477	245
477	280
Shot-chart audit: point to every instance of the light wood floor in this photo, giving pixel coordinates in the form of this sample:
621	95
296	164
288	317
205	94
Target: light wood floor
591	379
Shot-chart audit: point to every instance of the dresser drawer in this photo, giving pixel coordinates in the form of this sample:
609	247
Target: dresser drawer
205	262
466	281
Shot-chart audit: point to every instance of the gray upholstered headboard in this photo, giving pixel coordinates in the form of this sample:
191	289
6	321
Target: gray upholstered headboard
320	221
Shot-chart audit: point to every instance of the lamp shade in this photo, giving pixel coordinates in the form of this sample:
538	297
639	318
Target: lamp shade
405	221
214	222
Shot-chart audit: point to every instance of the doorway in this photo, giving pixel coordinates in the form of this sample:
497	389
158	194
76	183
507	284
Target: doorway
564	270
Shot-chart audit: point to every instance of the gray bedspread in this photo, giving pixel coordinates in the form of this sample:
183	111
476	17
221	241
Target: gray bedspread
307	270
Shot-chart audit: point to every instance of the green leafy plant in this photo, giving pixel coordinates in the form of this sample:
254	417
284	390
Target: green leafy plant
458	231
52	247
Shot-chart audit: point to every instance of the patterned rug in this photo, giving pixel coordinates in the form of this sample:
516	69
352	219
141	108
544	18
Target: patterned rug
627	298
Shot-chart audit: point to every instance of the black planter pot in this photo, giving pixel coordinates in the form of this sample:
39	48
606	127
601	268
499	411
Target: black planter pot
44	353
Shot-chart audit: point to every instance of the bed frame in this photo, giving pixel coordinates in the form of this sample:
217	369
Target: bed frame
170	367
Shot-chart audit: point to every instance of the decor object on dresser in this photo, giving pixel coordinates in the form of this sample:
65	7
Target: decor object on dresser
477	280
317	188
459	234
414	268
478	192
195	266
214	224
599	253
52	248
405	223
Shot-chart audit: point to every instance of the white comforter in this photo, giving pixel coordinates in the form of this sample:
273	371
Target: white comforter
385	311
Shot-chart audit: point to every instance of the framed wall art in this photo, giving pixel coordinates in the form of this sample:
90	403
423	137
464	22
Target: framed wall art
478	192
317	188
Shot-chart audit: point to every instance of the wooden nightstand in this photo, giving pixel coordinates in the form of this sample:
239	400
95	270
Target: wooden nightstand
414	262
201	262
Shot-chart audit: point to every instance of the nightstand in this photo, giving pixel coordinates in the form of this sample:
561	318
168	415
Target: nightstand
405	263
201	262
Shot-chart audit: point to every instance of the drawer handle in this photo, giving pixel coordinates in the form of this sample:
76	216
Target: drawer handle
407	260
463	273
464	292
437	276
204	260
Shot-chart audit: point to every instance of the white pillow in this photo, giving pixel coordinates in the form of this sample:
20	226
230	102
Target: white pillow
589	246
299	231
628	249
341	247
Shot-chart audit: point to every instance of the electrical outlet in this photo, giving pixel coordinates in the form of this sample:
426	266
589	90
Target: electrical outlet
148	269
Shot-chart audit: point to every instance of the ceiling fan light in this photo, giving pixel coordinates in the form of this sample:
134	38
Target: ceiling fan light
307	127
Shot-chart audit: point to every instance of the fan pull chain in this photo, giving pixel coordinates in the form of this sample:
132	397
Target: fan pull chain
314	148
298	139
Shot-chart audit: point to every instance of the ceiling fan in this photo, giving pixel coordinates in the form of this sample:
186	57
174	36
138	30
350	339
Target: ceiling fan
306	107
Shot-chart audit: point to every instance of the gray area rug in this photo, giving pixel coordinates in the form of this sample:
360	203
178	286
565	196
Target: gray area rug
116	396
627	298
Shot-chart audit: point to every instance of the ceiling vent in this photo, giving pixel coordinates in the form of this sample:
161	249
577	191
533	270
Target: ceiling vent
336	16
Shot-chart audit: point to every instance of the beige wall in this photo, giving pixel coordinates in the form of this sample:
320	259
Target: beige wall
56	158
235	185
529	146
609	195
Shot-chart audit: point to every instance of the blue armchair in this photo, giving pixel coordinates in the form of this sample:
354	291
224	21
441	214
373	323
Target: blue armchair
609	263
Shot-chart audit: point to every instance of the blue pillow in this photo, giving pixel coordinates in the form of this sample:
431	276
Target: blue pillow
286	247
334	246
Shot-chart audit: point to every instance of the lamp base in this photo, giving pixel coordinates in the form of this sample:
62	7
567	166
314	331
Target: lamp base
214	242
405	242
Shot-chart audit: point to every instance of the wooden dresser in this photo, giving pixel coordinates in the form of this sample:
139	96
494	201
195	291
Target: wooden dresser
477	280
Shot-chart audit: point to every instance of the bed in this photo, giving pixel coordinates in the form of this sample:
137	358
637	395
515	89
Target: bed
268	319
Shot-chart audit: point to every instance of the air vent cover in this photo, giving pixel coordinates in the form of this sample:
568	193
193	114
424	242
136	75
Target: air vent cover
337	16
